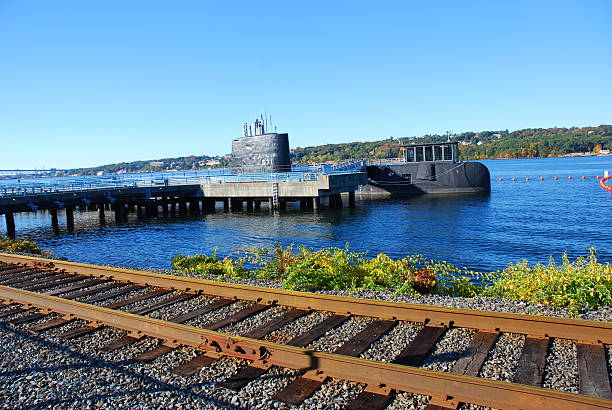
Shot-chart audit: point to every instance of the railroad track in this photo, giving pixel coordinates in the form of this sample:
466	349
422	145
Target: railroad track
220	322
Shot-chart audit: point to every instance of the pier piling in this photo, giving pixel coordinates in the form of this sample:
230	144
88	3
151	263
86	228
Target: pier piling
101	214
70	218
10	224
54	222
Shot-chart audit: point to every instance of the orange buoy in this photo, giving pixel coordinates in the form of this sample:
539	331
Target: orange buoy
514	179
541	178
556	178
602	182
598	176
569	178
527	179
583	177
501	179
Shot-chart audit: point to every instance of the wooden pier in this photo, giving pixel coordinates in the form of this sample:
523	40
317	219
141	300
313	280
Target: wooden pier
148	198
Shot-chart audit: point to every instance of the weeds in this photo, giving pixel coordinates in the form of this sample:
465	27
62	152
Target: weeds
584	283
23	245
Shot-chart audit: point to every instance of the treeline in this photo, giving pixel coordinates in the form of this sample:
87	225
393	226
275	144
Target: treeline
193	162
526	143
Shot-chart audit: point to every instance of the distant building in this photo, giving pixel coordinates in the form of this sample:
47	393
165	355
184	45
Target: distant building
604	151
156	164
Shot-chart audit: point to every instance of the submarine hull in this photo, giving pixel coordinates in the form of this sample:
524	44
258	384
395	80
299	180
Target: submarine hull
441	177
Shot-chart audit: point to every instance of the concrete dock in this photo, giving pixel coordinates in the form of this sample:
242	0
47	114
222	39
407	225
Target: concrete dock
195	194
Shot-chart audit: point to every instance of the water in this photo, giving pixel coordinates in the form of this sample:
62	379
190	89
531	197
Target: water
518	220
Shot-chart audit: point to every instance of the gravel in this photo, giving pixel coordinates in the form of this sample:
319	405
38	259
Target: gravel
503	358
43	371
561	372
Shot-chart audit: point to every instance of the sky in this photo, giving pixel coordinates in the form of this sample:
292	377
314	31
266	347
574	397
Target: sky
86	83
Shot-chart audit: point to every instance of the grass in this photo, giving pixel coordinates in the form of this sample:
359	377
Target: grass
578	284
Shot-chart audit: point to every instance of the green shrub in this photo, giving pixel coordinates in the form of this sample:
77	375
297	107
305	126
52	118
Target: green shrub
23	245
579	284
584	283
210	265
326	269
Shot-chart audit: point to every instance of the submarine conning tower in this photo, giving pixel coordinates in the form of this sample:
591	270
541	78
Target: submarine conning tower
259	150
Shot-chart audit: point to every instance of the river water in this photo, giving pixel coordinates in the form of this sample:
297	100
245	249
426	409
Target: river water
518	220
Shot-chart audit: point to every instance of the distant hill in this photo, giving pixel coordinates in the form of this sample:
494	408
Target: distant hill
193	162
526	143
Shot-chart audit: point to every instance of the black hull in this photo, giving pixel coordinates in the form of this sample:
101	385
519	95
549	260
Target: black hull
443	177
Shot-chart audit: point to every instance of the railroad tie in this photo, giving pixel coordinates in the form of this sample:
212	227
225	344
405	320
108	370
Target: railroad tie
31	283
531	364
66	289
86	329
119	290
468	365
593	377
304	386
182	318
14	311
61	321
158	351
60	280
413	355
36	315
255	370
19	275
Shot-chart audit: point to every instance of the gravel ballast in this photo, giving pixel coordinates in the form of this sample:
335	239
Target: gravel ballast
44	371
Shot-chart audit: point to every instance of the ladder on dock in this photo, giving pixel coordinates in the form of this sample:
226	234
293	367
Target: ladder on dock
274	195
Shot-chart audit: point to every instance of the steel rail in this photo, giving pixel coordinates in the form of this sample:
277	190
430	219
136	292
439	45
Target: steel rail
445	387
576	329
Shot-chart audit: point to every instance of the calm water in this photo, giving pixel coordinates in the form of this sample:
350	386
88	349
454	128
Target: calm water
518	220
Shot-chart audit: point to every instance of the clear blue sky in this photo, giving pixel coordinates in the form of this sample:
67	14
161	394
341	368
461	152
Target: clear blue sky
85	83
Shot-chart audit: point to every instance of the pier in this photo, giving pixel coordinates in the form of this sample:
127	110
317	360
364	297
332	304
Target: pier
148	195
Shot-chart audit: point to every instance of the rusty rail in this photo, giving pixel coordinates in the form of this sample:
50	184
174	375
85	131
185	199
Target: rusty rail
580	330
444	387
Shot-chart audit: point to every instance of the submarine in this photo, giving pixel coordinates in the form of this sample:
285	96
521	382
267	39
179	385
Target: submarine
433	168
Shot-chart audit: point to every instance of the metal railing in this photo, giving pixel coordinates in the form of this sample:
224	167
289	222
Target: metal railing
261	177
92	183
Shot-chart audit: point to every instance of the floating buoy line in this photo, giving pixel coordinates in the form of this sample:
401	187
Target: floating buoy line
602	180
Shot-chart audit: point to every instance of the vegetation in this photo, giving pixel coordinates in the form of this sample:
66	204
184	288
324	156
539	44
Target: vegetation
194	162
12	245
584	283
579	284
526	143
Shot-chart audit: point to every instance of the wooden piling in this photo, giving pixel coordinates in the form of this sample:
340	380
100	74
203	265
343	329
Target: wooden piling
101	215
54	222
10	225
351	197
118	214
70	218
